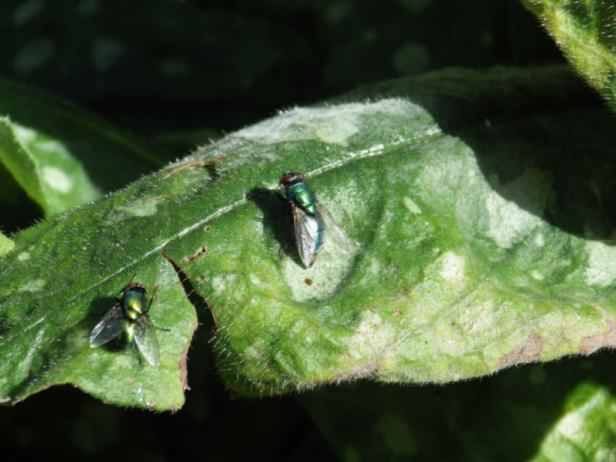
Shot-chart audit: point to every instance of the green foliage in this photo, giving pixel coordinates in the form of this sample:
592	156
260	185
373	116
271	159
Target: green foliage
445	259
43	140
44	168
584	30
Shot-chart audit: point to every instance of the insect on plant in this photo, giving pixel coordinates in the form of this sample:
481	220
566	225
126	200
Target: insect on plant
129	316
308	221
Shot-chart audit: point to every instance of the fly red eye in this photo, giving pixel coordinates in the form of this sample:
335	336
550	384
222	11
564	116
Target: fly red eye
291	177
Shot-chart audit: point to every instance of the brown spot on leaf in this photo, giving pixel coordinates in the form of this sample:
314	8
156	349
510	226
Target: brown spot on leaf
308	281
527	353
211	165
183	366
200	252
592	343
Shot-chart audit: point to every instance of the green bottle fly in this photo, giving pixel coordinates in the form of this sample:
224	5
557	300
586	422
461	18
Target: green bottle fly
308	221
129	315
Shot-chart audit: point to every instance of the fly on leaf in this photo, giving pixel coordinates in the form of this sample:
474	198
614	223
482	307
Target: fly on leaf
308	221
129	315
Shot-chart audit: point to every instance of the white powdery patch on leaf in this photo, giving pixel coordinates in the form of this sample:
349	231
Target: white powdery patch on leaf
518	209
601	269
331	124
23	134
221	283
346	203
139	208
6	244
538	275
56	179
539	240
52	147
411	205
33	286
452	269
373	340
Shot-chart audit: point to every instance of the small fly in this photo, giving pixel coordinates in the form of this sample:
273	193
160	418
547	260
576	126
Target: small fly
307	218
129	315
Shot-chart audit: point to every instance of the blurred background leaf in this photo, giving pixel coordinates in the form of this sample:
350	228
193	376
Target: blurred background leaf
586	32
60	156
44	168
169	65
556	412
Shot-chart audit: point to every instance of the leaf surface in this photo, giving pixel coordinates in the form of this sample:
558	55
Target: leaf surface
460	242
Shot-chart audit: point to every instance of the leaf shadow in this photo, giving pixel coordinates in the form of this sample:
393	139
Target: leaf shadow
459	421
277	220
517	120
579	172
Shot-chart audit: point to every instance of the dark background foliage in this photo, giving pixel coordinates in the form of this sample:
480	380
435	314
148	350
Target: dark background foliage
181	72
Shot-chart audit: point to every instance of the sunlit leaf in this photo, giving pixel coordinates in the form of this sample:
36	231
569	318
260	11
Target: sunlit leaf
460	242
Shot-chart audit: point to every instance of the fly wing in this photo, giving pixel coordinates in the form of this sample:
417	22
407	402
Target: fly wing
309	234
108	328
146	340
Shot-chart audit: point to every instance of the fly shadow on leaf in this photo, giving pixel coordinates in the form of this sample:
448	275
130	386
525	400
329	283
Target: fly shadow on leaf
277	219
98	308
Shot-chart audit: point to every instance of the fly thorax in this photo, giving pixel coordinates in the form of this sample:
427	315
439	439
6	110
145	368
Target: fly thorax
303	197
134	304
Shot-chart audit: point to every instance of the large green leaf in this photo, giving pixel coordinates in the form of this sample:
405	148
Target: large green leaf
559	412
584	30
461	241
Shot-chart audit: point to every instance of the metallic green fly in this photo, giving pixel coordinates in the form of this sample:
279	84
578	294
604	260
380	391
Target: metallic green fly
129	315
307	217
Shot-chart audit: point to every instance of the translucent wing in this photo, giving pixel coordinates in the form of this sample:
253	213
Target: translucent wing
108	328
309	234
147	343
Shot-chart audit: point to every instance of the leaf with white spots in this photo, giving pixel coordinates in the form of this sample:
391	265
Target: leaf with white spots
44	168
453	248
59	155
